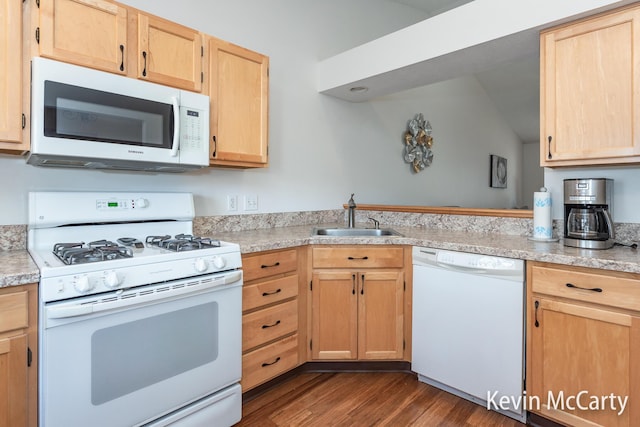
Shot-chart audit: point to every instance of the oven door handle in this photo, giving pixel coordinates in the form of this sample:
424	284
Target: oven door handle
69	311
79	309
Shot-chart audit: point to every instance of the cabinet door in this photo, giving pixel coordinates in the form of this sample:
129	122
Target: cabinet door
335	315
169	53
91	33
13	381
589	78
380	315
580	356
10	74
239	91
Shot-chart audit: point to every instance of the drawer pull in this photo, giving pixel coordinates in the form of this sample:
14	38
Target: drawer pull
271	326
571	285
272	265
266	294
272	363
354	258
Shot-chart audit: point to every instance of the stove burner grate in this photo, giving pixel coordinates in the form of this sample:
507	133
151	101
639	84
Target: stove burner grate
100	250
182	242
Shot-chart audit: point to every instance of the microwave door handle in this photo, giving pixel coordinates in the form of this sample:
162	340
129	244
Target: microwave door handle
176	127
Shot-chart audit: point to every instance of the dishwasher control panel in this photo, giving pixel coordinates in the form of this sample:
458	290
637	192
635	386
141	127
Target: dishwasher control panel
484	262
466	261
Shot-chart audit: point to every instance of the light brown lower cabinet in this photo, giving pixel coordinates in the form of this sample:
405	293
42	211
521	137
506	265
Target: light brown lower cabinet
357	303
18	343
583	346
357	315
270	319
269	361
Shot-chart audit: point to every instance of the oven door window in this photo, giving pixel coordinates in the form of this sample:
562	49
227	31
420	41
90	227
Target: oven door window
135	355
74	112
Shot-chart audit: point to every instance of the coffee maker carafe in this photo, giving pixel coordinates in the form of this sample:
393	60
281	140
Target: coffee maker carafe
587	213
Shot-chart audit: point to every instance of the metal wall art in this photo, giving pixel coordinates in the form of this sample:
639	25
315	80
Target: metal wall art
418	142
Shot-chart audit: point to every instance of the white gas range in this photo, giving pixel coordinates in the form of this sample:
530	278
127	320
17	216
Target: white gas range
140	321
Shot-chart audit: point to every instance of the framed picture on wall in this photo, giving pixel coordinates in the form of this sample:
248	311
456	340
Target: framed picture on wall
498	172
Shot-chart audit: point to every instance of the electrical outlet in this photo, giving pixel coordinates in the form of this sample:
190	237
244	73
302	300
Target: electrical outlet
251	202
232	202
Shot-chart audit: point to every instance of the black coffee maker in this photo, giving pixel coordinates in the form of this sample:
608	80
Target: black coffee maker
587	213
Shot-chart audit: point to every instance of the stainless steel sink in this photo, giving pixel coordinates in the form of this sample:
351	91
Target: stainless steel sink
355	232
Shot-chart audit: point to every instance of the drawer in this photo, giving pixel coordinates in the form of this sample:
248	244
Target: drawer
269	264
364	256
268	362
589	286
14	312
269	324
269	291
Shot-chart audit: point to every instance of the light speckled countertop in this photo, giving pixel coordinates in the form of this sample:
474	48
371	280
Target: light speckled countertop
17	267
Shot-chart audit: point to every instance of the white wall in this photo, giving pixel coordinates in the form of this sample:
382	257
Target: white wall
467	129
532	173
626	189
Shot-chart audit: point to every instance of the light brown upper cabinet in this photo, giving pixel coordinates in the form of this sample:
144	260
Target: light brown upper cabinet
112	37
91	33
590	91
10	77
169	53
238	84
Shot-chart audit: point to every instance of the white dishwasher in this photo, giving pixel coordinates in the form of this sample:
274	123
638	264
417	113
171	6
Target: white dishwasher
468	327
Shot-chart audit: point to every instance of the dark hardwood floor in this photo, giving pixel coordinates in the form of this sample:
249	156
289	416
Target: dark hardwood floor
364	399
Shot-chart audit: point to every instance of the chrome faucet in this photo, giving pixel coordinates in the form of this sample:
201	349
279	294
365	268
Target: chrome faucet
352	212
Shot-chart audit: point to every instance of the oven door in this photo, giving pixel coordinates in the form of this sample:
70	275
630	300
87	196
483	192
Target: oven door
126	358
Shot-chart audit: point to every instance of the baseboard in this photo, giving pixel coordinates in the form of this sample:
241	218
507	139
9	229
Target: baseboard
358	366
540	421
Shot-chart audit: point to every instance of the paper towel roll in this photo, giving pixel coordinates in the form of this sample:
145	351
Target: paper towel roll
542	226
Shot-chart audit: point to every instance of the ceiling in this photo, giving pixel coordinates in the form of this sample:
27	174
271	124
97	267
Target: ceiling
513	86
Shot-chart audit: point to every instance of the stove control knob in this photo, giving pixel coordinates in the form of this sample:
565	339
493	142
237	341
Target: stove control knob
219	262
82	284
142	203
112	279
201	265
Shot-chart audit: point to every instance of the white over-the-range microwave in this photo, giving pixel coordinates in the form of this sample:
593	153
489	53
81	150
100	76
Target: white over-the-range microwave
86	118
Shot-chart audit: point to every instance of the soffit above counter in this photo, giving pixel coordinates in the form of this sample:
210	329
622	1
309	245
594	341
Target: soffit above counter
468	39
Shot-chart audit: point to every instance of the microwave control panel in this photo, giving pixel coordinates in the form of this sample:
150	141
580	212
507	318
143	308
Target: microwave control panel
191	128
